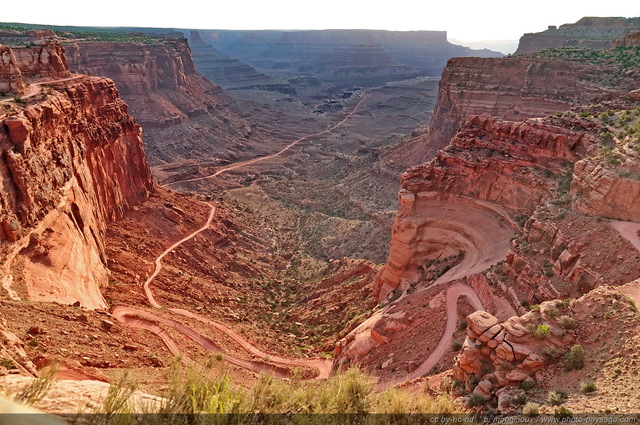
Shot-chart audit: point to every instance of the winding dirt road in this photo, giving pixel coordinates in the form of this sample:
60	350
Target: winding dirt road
628	230
142	319
280	152
454	292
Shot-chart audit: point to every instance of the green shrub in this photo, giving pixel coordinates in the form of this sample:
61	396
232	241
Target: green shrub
562	413
574	359
531	409
557	397
476	400
521	399
549	351
588	387
527	385
567	322
543	331
456	345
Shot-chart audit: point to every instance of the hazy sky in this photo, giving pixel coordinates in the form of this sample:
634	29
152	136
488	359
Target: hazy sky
464	19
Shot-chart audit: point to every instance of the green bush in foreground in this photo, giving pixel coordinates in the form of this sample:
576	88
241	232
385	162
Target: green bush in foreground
193	391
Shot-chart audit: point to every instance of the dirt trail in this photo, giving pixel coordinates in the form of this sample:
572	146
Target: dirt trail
142	319
454	292
147	289
36	88
280	152
628	230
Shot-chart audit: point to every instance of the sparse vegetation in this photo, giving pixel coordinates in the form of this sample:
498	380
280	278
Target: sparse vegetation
209	390
566	322
557	397
39	387
562	413
542	331
574	359
531	409
588	387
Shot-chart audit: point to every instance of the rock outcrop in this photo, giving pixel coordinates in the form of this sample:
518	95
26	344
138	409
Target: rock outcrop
589	32
498	355
185	116
493	169
72	162
515	89
10	75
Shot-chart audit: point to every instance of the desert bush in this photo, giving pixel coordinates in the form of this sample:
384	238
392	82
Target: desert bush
527	385
562	413
557	397
574	359
543	331
567	322
195	390
39	387
531	409
588	387
476	400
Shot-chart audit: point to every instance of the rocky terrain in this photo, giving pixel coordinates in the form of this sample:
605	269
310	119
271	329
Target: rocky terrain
589	32
514	249
521	87
56	201
510	216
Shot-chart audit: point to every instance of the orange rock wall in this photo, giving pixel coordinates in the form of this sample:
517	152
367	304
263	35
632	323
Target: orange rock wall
71	164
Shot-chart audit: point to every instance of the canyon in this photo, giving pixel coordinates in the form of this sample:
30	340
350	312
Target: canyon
264	236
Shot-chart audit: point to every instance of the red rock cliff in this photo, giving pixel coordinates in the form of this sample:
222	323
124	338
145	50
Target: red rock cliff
513	89
588	32
184	115
493	171
72	162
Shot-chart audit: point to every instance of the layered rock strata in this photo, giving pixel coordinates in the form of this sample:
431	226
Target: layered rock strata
514	89
72	162
501	167
185	116
588	32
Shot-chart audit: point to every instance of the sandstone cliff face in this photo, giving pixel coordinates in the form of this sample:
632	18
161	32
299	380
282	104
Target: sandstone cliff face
589	32
501	167
185	116
38	55
10	75
72	163
229	72
513	89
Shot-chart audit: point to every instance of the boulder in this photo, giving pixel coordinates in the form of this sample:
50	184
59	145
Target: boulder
480	321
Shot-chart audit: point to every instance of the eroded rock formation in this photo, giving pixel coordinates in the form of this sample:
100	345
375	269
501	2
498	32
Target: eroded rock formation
500	169
514	89
72	162
589	32
186	117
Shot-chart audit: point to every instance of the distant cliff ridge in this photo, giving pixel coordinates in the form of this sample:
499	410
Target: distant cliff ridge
591	32
343	56
231	73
